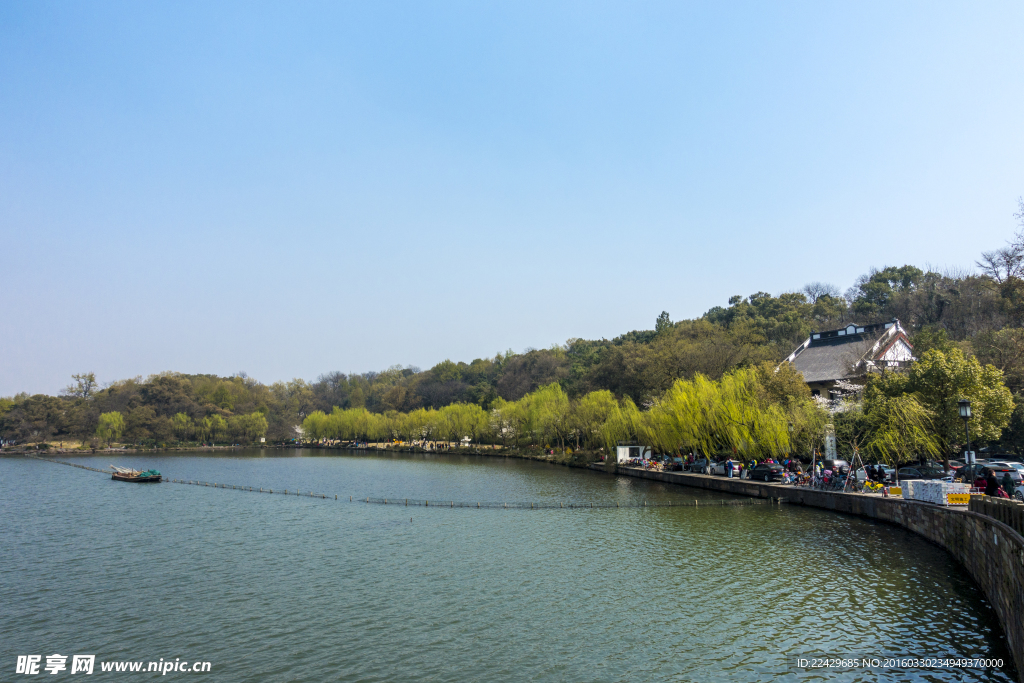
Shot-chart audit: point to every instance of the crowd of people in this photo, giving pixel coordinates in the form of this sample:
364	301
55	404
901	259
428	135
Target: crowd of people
793	472
987	481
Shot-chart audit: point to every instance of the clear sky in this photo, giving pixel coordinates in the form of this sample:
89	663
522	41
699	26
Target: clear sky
291	188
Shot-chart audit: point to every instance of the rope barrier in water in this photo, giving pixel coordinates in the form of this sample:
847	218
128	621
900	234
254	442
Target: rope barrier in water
411	502
549	505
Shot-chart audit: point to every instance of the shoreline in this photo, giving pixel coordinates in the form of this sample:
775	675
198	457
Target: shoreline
578	459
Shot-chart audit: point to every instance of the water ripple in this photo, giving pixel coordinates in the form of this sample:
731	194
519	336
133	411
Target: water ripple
275	588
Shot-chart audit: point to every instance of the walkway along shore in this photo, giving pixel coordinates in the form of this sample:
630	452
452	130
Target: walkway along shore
991	551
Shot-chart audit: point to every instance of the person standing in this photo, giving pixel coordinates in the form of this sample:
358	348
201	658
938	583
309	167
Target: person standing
1008	484
728	468
991	485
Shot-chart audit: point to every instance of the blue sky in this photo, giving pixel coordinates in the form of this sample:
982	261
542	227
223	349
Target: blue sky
292	188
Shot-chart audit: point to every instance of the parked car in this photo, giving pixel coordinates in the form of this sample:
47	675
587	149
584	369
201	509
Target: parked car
1001	468
888	473
840	466
1019	466
719	467
767	472
969	473
674	464
997	457
921	472
701	466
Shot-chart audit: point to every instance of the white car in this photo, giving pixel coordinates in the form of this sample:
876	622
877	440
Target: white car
719	468
890	473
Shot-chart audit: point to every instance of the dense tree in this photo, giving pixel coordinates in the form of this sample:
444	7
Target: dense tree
938	381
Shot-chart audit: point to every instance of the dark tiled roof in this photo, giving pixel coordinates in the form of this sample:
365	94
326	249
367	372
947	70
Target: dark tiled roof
837	354
825	360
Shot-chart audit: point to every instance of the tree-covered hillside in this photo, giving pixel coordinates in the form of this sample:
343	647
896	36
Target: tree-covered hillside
978	314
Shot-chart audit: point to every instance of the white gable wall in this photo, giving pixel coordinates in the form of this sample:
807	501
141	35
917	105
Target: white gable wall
900	351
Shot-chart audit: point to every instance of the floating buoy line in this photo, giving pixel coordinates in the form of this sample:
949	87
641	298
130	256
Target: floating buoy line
406	502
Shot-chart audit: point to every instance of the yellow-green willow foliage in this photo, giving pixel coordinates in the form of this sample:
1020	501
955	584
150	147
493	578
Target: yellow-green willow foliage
624	423
747	412
689	416
352	425
550	412
453	422
459	421
736	413
509	421
588	417
901	426
749	424
110	427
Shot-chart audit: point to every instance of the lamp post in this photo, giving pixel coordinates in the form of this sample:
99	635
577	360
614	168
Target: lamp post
965	414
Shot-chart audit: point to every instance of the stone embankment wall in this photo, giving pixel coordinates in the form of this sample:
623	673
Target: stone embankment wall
991	551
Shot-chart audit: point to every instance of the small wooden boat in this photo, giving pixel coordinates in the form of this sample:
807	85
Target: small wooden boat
136	476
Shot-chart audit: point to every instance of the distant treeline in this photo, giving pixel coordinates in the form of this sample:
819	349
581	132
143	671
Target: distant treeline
978	314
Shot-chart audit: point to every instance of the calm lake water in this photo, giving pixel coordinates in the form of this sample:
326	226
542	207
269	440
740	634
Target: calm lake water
276	588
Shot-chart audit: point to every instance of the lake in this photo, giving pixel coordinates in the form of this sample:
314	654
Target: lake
292	588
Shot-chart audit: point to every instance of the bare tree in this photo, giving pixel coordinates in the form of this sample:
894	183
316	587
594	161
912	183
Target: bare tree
816	290
1007	263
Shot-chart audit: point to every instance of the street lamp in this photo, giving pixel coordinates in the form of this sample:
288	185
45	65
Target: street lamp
965	413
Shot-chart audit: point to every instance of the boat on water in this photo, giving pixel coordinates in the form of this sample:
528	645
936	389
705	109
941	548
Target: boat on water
136	476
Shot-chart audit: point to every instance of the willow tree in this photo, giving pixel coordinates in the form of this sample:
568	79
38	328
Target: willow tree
689	415
391	424
625	423
460	420
902	426
422	424
111	426
356	423
550	413
218	427
750	424
183	426
477	421
248	427
510	419
587	416
316	426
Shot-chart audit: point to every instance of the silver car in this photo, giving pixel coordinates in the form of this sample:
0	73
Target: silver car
719	468
701	466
